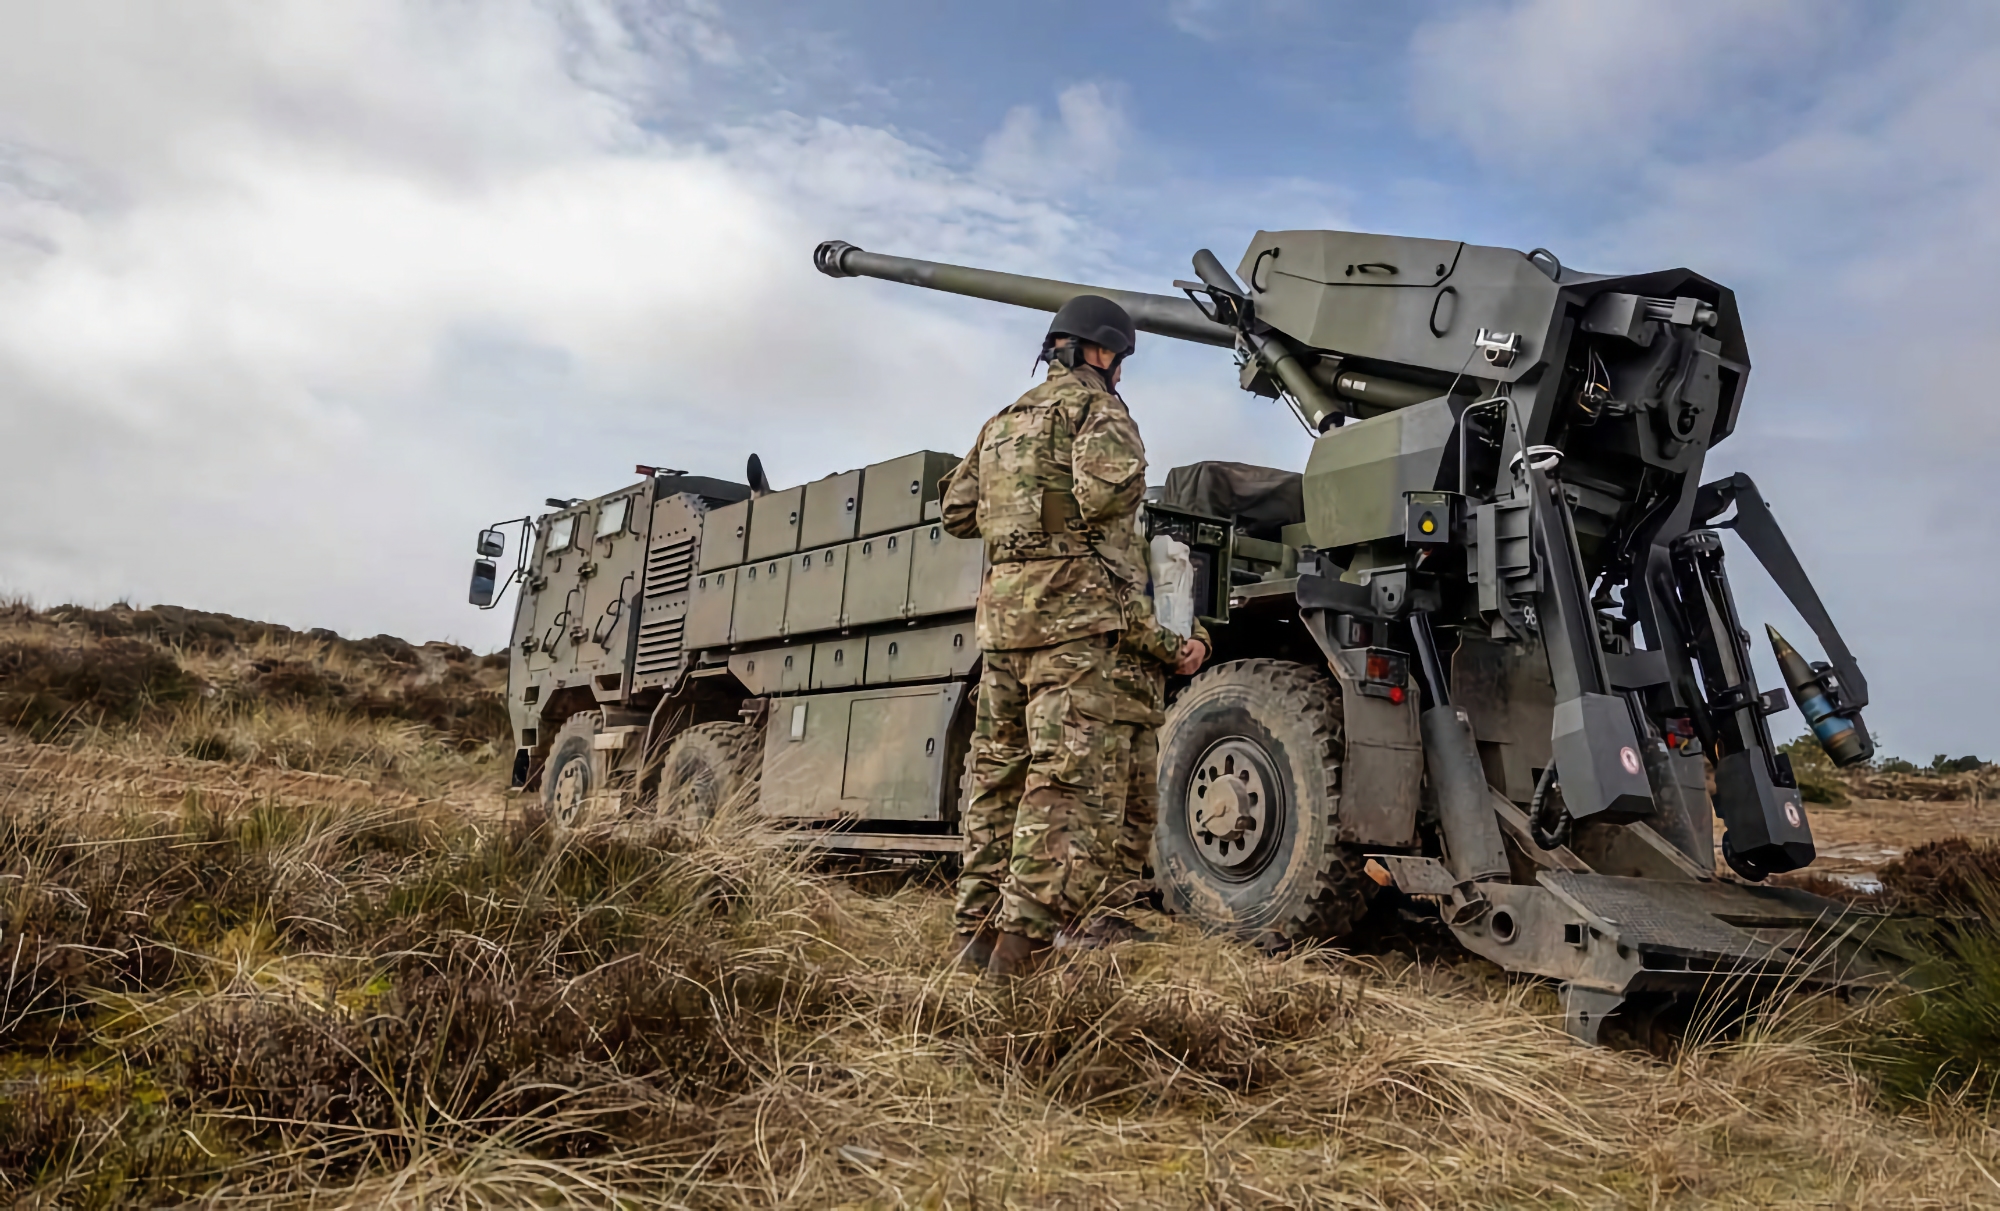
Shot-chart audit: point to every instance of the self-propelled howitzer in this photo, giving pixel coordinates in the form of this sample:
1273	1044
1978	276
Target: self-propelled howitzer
1504	498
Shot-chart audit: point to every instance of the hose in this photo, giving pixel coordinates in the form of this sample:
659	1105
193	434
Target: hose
1550	835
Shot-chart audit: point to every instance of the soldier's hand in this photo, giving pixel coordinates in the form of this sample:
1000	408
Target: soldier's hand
1193	653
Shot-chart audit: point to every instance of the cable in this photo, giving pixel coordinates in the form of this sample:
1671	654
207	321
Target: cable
1460	374
1553	835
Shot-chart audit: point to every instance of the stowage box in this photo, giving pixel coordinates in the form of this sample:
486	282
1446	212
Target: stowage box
894	493
817	591
722	535
945	572
878	579
760	600
709	608
832	510
774	523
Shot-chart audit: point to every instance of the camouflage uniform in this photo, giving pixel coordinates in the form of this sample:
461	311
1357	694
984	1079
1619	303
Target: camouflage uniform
1146	650
1047	475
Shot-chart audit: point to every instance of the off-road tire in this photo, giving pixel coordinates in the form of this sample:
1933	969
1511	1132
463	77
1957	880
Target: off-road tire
573	775
1298	880
710	767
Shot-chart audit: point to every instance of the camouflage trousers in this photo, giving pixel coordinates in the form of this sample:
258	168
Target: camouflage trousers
1131	809
1033	805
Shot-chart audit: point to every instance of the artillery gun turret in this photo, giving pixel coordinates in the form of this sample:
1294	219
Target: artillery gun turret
1504	495
1481	653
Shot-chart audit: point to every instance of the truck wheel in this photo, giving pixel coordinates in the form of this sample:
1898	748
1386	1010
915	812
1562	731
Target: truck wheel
572	774
709	767
1249	797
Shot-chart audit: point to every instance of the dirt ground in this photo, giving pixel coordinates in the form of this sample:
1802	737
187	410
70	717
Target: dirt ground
1859	837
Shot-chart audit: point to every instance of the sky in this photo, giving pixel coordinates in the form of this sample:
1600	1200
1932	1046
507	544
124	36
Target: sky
295	297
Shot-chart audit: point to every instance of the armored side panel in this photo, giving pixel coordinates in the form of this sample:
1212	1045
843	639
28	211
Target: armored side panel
922	654
710	606
878	578
1396	299
760	600
670	561
1357	474
774	524
832	510
894	493
781	670
819	581
877	754
839	663
723	534
945	572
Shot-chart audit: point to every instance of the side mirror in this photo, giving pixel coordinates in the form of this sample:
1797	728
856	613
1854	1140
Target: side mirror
492	544
484	577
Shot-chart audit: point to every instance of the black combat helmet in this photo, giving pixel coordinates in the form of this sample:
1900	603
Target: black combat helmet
1094	318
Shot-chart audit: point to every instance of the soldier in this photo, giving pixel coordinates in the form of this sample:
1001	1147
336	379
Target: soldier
1047	476
1146	650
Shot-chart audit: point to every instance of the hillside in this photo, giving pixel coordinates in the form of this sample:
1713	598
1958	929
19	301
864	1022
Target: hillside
273	933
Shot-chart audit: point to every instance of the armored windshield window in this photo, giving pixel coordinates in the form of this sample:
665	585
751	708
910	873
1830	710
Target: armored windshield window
611	516
561	530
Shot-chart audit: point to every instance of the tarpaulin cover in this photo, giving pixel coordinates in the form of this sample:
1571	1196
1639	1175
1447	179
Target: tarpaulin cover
1261	500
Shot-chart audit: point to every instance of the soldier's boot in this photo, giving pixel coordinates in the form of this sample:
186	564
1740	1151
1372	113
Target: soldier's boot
1015	955
972	949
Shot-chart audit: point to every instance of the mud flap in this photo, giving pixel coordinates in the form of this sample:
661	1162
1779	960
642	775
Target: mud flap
1381	783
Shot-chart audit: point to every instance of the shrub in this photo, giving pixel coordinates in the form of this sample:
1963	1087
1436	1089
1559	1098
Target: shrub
1950	876
1818	777
47	688
1944	1044
1942	764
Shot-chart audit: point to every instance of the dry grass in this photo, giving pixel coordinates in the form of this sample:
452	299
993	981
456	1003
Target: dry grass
342	1005
316	966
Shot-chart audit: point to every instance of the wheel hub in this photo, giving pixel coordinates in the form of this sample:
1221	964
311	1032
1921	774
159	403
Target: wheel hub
1229	803
572	788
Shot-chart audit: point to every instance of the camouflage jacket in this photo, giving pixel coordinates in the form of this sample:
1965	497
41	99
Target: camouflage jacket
1146	650
1048	475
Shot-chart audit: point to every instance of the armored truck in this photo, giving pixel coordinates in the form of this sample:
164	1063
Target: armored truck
808	652
1480	658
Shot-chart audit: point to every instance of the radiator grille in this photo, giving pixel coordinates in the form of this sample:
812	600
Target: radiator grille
659	647
668	567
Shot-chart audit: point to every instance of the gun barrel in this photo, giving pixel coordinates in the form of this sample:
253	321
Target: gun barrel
1160	314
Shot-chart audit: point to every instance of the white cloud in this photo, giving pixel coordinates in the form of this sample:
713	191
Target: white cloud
1083	144
1574	88
295	297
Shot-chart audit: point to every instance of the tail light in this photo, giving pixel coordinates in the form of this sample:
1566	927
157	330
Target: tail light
1385	674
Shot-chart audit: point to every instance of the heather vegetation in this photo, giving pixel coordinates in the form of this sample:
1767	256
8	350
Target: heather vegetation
270	934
